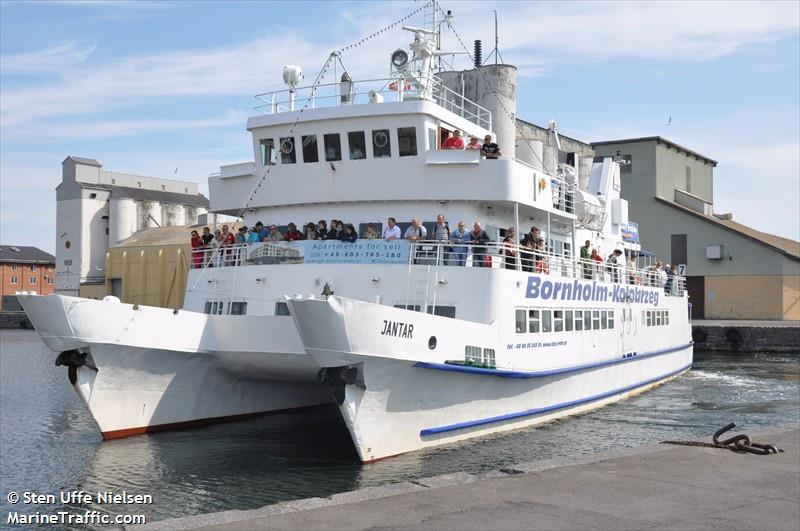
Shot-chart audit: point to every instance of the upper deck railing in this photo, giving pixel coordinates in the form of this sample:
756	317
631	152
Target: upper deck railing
374	91
493	255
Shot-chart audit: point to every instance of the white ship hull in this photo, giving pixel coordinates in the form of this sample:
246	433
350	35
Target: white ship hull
151	369
403	397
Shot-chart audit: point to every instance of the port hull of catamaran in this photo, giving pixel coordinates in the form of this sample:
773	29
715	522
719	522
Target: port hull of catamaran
142	369
402	383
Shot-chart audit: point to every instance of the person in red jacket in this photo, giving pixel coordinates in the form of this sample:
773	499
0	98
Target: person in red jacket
454	142
293	234
197	253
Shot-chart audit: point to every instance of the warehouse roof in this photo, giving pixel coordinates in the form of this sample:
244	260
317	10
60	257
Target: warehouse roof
657	140
180	235
24	254
118	192
787	246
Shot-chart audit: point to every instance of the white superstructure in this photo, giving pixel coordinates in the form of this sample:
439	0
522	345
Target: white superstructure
420	343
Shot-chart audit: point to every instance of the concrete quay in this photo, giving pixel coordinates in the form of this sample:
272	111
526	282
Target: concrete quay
746	336
657	487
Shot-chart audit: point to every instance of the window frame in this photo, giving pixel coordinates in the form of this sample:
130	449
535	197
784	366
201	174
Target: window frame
263	143
337	148
386	149
314	153
534	320
350	135
413	142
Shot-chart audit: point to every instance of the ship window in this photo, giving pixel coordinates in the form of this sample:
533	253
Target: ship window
666	317
547	323
238	308
587	319
488	357
568	320
558	320
432	139
268	154
657	320
610	319
412	307
443	311
533	321
333	147
288	155
472	355
604	319
596	319
358	145
519	321
381	147
281	308
647	319
578	320
213	307
407	141
310	153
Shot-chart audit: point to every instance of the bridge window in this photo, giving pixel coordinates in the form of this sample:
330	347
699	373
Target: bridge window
381	147
310	153
333	147
288	155
281	308
407	141
268	154
358	145
432	139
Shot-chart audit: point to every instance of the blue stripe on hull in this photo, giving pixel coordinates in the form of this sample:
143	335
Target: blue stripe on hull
539	411
549	372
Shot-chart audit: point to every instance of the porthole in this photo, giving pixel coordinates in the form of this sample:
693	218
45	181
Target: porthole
432	342
381	139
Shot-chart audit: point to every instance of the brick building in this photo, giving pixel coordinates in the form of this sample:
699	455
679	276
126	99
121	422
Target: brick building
25	269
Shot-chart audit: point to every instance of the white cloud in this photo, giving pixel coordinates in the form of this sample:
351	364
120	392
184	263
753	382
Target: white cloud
115	128
664	30
53	59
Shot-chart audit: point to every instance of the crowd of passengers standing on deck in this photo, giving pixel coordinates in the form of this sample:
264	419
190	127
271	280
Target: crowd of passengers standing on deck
529	254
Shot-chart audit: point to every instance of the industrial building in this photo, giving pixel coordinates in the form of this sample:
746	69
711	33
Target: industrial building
732	271
24	269
96	209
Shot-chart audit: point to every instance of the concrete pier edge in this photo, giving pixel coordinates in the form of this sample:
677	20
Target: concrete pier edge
231	518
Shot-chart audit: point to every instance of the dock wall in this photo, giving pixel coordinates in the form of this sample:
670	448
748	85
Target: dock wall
747	336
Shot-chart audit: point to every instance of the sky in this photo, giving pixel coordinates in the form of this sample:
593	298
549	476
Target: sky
164	88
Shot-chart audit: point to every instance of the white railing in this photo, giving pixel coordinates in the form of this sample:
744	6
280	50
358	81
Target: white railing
364	91
493	255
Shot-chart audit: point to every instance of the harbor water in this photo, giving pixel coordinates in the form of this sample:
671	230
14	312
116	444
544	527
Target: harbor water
49	443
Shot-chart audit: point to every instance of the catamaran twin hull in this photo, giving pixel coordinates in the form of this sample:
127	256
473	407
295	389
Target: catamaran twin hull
403	379
140	369
398	390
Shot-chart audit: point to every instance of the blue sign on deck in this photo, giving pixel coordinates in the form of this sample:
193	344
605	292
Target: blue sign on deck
630	232
331	252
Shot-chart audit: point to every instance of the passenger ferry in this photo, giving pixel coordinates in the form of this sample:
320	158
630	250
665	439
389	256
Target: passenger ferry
419	343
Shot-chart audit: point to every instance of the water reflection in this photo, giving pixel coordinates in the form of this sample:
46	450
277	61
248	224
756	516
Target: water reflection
50	443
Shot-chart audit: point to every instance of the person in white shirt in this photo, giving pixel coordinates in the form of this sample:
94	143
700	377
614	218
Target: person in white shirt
391	231
416	231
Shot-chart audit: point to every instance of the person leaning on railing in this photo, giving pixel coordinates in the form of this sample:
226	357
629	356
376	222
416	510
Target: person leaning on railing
479	239
459	252
586	260
197	252
509	251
